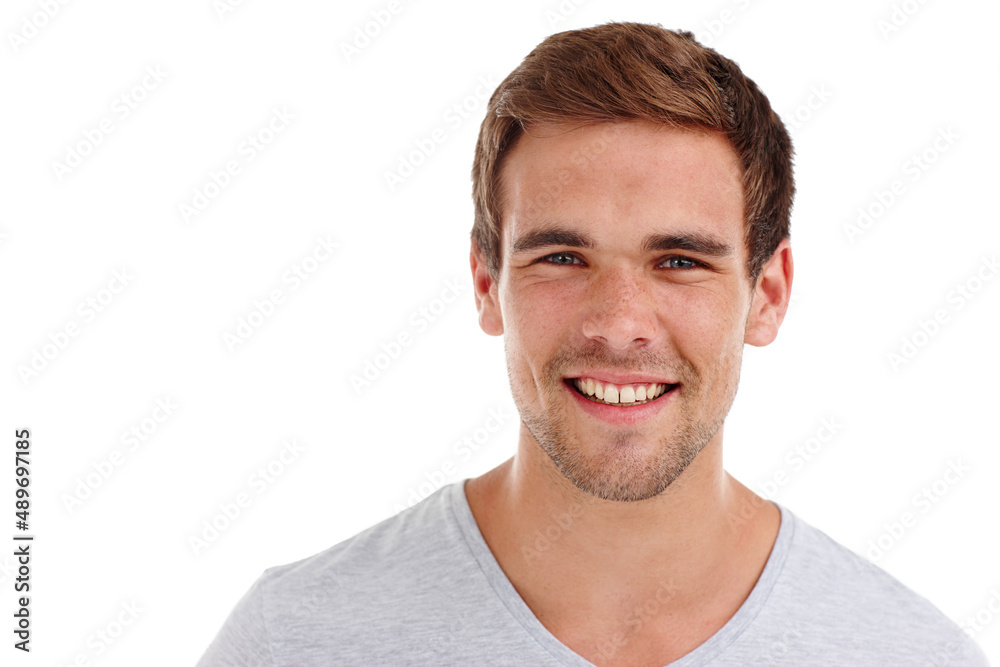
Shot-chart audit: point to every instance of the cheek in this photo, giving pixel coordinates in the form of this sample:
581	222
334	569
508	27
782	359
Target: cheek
533	329
537	312
697	312
705	327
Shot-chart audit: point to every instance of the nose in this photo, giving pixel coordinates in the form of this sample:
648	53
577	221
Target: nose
620	310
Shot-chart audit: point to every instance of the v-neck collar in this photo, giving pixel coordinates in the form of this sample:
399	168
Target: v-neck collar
512	600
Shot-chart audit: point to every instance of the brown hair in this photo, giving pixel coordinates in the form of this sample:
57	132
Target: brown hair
630	71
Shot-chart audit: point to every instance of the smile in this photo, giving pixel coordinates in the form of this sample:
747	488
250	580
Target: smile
619	394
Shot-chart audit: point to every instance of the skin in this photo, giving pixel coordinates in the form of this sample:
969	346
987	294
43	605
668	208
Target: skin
596	516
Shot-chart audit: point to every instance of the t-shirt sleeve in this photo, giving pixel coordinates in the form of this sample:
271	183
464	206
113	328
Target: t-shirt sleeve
243	640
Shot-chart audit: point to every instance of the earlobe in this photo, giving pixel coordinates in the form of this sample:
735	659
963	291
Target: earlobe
771	297
485	288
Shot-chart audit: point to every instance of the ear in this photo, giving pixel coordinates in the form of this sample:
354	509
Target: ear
770	297
485	287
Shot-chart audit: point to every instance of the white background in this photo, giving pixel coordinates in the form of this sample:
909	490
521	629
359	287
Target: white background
878	98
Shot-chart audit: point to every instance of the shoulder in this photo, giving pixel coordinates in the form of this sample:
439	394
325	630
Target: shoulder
818	564
385	553
830	591
346	600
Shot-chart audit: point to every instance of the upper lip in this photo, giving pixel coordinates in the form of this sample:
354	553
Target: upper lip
613	377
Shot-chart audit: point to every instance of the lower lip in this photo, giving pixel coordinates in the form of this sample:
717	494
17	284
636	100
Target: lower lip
627	414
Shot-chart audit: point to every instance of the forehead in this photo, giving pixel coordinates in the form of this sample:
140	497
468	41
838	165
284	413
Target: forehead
622	180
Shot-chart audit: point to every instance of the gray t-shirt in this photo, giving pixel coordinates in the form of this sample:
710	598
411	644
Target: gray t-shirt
423	588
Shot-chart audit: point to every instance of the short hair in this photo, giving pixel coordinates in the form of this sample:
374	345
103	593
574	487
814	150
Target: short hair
633	71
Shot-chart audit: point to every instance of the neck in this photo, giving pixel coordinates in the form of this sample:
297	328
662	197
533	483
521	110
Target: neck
701	544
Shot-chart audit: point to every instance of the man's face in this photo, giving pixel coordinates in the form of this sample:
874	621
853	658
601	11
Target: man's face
623	273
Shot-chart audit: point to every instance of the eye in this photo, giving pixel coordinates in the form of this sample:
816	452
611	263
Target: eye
564	258
682	263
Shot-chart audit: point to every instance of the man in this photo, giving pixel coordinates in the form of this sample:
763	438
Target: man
632	192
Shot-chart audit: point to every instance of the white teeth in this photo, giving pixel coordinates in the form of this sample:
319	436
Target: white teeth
612	393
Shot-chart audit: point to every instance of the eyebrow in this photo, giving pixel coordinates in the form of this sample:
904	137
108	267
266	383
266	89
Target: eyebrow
702	244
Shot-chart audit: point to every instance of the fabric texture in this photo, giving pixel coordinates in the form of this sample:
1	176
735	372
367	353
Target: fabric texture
423	588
